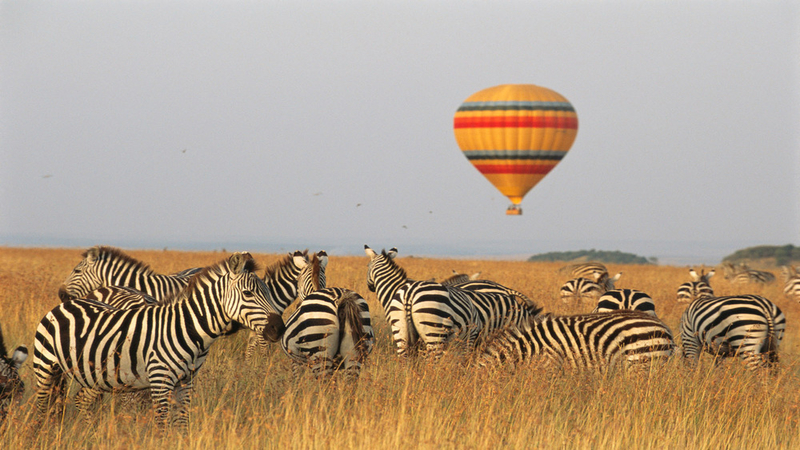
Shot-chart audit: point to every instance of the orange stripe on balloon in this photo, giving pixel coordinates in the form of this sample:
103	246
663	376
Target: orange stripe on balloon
515	169
570	123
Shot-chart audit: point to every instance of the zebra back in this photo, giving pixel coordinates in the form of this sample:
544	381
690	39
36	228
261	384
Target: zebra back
108	266
11	385
592	341
459	278
620	299
742	274
584	270
748	326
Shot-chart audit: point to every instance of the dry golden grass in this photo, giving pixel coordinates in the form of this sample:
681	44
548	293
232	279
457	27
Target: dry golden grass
420	404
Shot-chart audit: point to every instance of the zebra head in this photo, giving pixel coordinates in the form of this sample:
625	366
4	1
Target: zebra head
604	281
10	382
247	299
702	276
378	263
85	277
312	277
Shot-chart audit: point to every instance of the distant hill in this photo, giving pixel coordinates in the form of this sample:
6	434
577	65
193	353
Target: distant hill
615	257
766	255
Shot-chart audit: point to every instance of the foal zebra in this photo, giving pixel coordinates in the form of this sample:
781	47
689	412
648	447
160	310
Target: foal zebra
11	386
588	341
157	346
622	299
742	274
697	288
748	326
791	286
108	266
421	310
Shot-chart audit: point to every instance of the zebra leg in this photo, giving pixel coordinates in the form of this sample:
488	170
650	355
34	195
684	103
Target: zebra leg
252	343
51	388
183	397
86	400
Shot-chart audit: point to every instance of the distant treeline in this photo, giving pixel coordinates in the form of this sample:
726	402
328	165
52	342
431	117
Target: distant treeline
782	254
616	257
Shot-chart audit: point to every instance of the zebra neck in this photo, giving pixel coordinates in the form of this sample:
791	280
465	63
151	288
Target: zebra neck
283	290
387	286
200	309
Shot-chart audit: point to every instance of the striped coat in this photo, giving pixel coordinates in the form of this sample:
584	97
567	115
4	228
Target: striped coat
11	386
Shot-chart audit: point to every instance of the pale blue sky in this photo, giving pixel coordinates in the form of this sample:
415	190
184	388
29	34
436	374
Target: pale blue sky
267	124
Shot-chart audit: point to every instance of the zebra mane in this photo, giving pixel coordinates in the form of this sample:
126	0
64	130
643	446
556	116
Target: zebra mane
105	252
393	265
216	269
315	271
276	267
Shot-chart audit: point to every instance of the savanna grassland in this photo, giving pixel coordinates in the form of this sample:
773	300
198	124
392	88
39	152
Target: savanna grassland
422	404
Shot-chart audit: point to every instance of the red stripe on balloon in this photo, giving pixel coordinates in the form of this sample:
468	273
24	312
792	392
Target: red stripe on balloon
524	169
570	123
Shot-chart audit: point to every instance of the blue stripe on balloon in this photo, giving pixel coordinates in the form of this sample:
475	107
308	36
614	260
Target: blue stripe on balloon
553	155
516	106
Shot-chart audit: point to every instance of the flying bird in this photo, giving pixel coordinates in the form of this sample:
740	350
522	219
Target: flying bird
317	194
47	176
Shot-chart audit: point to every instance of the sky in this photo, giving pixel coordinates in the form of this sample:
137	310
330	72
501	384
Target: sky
277	125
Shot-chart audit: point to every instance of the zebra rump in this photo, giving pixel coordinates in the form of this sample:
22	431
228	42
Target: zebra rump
620	299
791	286
588	341
748	326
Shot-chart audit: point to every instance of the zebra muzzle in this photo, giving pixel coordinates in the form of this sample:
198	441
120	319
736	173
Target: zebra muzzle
274	328
63	295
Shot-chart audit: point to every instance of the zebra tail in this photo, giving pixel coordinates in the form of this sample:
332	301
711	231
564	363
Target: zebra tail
350	319
770	346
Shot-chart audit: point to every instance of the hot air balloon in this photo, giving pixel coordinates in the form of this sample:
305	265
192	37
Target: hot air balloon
514	134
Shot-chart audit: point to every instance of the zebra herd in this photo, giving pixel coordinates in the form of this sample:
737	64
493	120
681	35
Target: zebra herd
122	327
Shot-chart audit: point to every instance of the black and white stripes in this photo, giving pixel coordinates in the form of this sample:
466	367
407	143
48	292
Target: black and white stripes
11	386
747	326
697	288
157	346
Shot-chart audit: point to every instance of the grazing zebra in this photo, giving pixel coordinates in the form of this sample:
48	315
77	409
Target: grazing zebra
421	310
583	289
593	341
11	386
791	280
742	274
281	279
621	299
748	326
157	346
108	266
697	288
584	270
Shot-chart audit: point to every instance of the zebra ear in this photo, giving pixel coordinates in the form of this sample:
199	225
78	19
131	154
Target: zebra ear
693	274
92	254
19	356
238	262
370	252
392	253
710	274
300	259
323	258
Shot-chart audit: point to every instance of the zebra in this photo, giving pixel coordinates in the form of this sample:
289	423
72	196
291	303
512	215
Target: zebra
108	266
330	327
697	288
625	299
586	341
584	270
157	346
281	279
120	297
11	386
423	311
748	326
742	274
584	289
791	286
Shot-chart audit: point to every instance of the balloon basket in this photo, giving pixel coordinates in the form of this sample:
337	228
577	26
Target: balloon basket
513	210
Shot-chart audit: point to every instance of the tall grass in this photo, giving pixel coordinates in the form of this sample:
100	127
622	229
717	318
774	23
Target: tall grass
417	403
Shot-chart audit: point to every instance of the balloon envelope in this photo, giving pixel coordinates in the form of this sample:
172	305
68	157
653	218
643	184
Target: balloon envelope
514	134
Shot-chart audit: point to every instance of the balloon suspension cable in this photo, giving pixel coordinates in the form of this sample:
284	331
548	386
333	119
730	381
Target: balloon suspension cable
514	210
